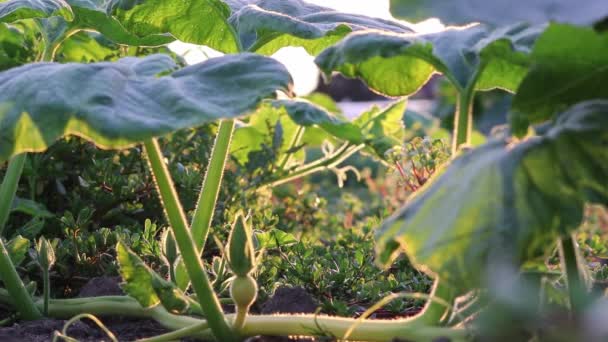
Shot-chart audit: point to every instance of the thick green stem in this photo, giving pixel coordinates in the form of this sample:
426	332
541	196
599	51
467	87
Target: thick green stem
177	335
277	325
463	120
190	255
46	292
435	311
577	289
369	330
16	289
9	187
323	164
203	215
241	315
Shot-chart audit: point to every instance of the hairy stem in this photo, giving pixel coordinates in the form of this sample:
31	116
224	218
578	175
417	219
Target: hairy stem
277	325
577	291
463	120
46	292
9	187
175	214
17	291
203	215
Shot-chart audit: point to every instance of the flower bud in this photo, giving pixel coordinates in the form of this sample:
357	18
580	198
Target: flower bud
241	255
169	246
45	254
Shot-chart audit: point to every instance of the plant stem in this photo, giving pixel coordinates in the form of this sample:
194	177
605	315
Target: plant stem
278	325
294	142
435	312
190	255
463	120
322	164
205	208
241	315
46	294
177	334
368	330
17	291
577	291
9	187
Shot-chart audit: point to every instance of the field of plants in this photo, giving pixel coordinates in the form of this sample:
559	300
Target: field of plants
148	197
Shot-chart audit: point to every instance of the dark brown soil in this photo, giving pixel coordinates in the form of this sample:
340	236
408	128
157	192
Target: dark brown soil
290	300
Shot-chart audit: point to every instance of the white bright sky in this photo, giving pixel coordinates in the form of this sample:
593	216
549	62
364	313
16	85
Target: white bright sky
301	65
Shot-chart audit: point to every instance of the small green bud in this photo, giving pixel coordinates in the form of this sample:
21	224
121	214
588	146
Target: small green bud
243	291
241	255
169	246
45	254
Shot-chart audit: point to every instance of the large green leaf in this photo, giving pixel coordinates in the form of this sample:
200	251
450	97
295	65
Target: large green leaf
267	125
153	22
383	129
570	65
87	47
13	51
501	12
268	25
119	104
504	200
379	129
399	64
147	287
17	249
12	10
306	113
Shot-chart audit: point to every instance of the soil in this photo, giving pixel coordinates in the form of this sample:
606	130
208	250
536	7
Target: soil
285	300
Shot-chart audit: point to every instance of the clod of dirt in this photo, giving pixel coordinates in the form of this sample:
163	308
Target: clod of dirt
290	300
101	286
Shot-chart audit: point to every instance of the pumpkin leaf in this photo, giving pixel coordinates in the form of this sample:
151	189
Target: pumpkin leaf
399	64
570	66
504	200
263	122
145	286
383	129
13	10
119	104
13	51
17	249
306	114
500	12
142	23
265	26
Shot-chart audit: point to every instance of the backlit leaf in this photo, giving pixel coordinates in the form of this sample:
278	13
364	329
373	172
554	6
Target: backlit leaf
120	104
504	201
570	66
17	249
145	286
12	10
501	12
268	25
399	64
